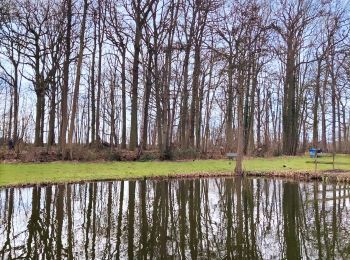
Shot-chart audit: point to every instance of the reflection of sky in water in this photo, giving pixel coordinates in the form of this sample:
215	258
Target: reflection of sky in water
269	218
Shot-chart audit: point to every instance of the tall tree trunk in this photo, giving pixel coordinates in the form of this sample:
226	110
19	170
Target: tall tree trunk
99	70
112	139
65	86
199	105
184	102
87	125
9	134
246	110
340	147
135	83
93	86
250	137
290	117
267	122
159	110
77	79
123	82
42	123
229	109
164	116
258	123
323	111
346	141
52	114
40	95
333	104
185	92
316	104
4	115
146	100
240	132
15	104
195	87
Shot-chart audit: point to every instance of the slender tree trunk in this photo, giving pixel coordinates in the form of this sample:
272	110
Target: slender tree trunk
250	138
4	115
40	92
65	86
93	86
323	110
38	119
199	105
333	104
184	103
135	83
42	123
246	110
185	92
240	132
258	123
346	141
123	82
9	134
99	70
316	104
166	105
52	114
158	107
147	100
112	139
267	122
229	109
195	87
340	147
77	79
131	220
164	114
15	105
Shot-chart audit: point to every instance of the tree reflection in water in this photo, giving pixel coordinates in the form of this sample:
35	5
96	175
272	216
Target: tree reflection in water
219	218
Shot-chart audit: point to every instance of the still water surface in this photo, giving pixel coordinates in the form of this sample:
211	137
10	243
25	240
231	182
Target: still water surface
219	218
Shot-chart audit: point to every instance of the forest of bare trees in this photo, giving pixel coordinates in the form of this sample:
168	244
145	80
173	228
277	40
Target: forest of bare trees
249	76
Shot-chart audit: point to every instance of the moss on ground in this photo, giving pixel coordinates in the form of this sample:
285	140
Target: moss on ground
59	172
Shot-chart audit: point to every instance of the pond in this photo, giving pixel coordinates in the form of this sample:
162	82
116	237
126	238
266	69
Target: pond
216	218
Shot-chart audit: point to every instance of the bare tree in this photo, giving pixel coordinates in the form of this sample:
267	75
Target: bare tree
77	78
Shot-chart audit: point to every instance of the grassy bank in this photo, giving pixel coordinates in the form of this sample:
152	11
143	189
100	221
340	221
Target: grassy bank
57	172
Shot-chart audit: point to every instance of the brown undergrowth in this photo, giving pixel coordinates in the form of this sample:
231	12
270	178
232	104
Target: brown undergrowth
93	153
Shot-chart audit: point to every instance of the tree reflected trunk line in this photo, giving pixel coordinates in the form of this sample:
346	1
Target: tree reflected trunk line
131	219
59	220
7	245
119	221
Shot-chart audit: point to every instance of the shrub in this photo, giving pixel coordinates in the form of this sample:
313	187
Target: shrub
148	157
189	153
2	154
167	155
81	154
89	156
114	156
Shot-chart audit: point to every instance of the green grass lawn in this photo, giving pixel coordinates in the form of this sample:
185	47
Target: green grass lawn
33	173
